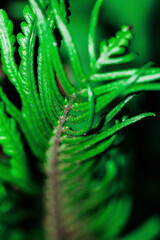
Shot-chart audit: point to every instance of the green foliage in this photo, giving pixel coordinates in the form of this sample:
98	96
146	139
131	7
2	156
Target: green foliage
65	129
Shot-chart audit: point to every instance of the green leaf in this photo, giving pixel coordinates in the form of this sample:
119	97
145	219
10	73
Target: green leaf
12	146
26	50
72	51
110	131
154	72
148	231
5	173
117	109
118	212
7	41
7	48
116	46
51	53
88	154
92	33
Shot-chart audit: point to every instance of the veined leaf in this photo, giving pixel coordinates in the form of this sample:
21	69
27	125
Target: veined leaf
7	41
52	54
26	50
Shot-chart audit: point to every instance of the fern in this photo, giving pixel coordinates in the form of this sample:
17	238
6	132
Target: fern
56	143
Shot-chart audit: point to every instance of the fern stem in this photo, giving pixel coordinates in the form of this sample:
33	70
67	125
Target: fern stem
54	221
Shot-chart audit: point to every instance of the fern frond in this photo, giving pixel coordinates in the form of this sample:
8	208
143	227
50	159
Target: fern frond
92	34
64	7
72	51
20	119
109	76
52	53
11	70
7	41
115	46
12	146
46	86
43	3
69	129
6	174
26	50
104	99
91	140
149	230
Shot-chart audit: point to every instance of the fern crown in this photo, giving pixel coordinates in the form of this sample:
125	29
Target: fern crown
67	124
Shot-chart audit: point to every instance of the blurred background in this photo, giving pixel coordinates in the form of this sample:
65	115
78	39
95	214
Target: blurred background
141	147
